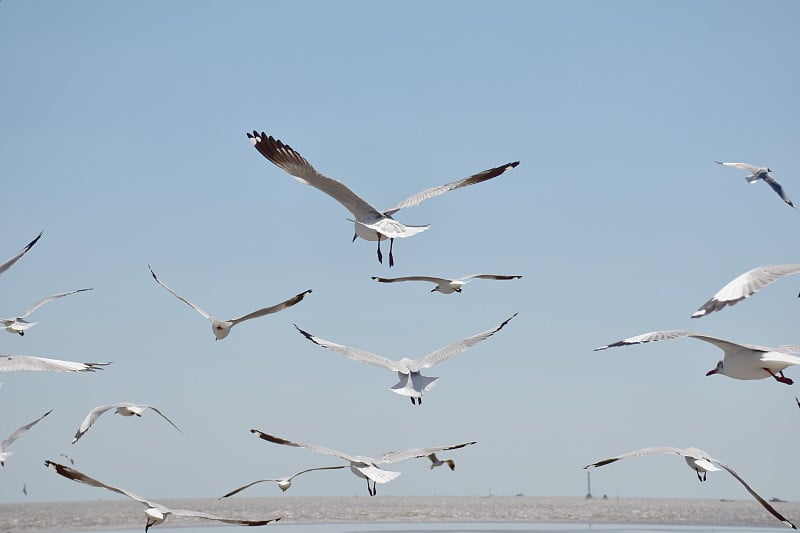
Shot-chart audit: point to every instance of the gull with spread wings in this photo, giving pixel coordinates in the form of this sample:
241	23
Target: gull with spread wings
445	285
283	483
121	408
18	324
760	173
4	453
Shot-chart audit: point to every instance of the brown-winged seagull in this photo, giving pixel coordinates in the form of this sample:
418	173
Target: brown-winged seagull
121	408
17	363
361	465
4	453
156	512
370	223
412	383
222	328
760	173
445	285
435	461
283	483
701	462
8	263
18	324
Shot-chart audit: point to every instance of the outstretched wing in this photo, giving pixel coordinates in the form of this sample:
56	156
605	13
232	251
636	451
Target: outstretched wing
240	489
489	276
743	166
355	354
754	494
15	363
11	260
778	188
273	309
411	278
236	521
312	447
46	299
457	347
402	455
746	285
670	334
181	298
74	475
421	196
291	162
14	436
697	453
93	415
164	417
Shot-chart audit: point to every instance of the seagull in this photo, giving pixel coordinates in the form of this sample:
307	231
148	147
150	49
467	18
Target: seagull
11	260
444	285
370	223
25	489
15	363
363	466
18	324
284	483
760	173
741	361
122	408
701	462
435	461
222	328
156	513
68	458
4	453
746	285
412	383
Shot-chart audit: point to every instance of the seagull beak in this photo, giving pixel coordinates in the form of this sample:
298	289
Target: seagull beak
711	372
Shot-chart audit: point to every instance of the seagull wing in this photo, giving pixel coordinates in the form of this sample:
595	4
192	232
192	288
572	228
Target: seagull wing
778	188
93	415
236	521
686	452
273	309
421	196
74	475
14	436
355	354
240	489
746	285
11	260
677	334
312	469
488	276
744	166
46	299
181	298
14	363
412	278
312	447
163	416
285	158
457	347
394	457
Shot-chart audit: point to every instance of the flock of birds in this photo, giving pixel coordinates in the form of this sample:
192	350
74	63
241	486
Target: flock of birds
740	361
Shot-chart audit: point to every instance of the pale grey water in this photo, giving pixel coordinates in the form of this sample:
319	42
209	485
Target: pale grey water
396	514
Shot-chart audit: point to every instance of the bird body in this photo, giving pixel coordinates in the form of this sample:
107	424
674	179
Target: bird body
760	173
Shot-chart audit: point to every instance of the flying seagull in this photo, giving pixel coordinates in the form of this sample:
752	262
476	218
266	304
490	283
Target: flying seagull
746	285
15	363
701	462
222	328
11	260
18	324
122	408
68	458
445	285
760	173
435	461
284	483
363	466
741	361
370	223
156	513
412	383
4	453
25	489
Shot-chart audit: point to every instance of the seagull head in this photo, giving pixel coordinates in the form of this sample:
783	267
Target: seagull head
284	484
220	329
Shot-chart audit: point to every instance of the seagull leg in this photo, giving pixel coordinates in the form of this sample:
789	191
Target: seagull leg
780	377
413	402
380	255
419	400
391	257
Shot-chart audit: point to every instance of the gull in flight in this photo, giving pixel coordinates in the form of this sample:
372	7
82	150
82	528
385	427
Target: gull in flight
122	408
284	483
68	458
444	285
222	328
18	324
412	383
370	223
363	466
4	453
741	361
701	462
760	173
435	461
746	285
15	363
156	513
11	260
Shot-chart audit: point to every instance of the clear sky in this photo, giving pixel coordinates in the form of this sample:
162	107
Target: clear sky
123	138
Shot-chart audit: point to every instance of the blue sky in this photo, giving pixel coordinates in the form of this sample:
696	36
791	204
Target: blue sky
123	138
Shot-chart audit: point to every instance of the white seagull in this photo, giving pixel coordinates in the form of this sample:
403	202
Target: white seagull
435	461
746	285
412	383
222	328
445	285
363	466
16	363
370	223
741	361
760	173
4	453
122	408
11	260
156	513
18	324
701	462
284	483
